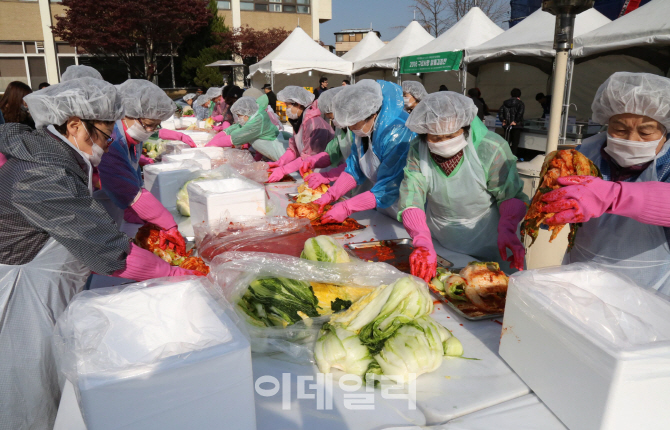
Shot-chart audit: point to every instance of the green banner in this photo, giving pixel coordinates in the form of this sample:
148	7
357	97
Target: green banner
439	62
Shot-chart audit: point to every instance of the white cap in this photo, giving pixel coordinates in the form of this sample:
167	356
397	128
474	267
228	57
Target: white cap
245	106
415	89
142	99
440	113
354	103
294	94
326	99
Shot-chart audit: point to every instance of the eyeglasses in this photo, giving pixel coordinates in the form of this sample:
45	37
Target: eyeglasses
149	128
108	139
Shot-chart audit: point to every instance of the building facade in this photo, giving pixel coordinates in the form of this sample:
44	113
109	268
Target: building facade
345	40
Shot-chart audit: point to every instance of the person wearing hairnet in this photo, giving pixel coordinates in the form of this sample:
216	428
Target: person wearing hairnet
337	151
201	107
311	133
461	186
412	93
222	114
185	101
80	71
145	107
54	234
626	214
215	94
373	111
253	126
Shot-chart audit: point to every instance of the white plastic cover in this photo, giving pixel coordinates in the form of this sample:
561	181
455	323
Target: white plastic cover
80	71
440	113
202	159
295	94
607	308
142	99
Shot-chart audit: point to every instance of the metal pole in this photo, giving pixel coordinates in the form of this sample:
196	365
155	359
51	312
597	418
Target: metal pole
464	80
174	83
566	101
557	101
49	43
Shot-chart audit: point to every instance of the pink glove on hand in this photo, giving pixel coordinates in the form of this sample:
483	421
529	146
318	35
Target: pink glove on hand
130	216
322	159
150	210
343	210
335	173
512	212
175	135
343	185
423	260
144	160
221	140
218	118
317	179
288	156
142	265
284	170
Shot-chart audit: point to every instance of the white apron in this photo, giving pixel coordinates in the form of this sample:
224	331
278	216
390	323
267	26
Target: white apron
272	149
299	143
32	297
621	244
461	214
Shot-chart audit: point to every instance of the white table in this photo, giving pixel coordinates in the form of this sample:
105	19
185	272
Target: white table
459	393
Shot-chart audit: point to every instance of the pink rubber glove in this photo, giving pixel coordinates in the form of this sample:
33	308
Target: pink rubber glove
322	159
175	135
343	210
586	197
512	212
286	169
3	159
218	118
150	210
245	146
222	140
130	216
144	160
317	179
142	265
423	260
224	125
343	185
288	156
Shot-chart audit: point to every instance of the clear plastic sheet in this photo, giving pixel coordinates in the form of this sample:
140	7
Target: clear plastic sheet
605	307
234	271
283	234
127	331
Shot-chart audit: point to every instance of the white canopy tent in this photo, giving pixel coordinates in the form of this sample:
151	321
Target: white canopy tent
370	44
522	57
472	30
293	61
384	61
637	42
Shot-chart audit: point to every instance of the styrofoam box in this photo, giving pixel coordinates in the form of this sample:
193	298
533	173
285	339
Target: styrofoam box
213	152
202	159
209	388
164	180
200	138
211	199
563	352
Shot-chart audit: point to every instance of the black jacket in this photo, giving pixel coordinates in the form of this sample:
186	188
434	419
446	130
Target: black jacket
272	100
512	111
44	193
318	91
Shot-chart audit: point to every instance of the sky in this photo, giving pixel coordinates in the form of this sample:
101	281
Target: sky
383	14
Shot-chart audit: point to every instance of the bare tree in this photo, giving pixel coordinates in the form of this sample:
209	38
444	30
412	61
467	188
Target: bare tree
436	16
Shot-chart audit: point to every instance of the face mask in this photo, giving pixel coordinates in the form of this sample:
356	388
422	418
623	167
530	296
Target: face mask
628	153
361	133
405	100
448	148
241	121
137	132
292	114
97	154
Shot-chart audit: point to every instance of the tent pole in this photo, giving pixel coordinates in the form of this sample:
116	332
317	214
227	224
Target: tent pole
557	100
272	80
566	102
464	76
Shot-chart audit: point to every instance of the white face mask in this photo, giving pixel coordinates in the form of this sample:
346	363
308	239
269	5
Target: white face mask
292	114
97	154
406	100
241	120
628	153
137	132
450	147
362	133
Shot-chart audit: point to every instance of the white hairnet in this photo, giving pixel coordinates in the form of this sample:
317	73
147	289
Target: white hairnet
76	72
245	106
294	94
326	99
415	89
255	93
357	102
213	92
142	99
189	96
202	100
441	113
636	93
85	98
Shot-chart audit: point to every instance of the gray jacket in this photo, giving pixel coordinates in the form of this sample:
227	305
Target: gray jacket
44	193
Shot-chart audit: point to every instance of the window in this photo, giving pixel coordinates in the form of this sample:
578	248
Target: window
303	2
338	38
223	5
38	71
303	9
261	7
12	69
289	8
275	1
246	6
11	48
30	48
359	37
275	8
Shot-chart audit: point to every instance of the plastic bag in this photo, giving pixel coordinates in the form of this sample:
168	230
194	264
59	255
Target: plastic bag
120	332
600	304
234	271
279	234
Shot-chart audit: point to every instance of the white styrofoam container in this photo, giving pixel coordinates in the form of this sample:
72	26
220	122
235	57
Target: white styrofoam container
202	159
213	152
184	122
164	180
210	387
200	138
210	200
568	336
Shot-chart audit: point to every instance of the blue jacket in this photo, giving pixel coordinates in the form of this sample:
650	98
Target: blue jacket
120	174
